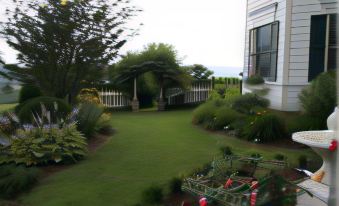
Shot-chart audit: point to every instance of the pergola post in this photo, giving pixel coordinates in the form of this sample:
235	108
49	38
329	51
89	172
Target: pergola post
135	101
161	103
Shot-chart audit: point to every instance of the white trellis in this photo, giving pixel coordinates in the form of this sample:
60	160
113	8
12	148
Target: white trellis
198	92
113	98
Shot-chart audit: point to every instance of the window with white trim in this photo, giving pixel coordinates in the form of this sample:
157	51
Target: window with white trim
264	51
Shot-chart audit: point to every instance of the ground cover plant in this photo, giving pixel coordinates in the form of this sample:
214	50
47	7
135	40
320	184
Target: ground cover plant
16	179
148	148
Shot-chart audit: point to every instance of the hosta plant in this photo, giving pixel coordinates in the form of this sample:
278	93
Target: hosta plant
39	146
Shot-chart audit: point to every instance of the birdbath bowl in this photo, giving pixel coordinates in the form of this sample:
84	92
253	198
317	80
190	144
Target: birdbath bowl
319	141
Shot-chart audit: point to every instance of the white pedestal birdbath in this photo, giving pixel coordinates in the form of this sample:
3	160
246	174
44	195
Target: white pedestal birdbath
323	143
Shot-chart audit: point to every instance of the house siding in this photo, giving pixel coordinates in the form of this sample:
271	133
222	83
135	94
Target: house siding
302	10
294	18
266	16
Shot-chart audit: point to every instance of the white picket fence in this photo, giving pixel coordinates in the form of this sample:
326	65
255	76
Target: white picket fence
198	92
114	99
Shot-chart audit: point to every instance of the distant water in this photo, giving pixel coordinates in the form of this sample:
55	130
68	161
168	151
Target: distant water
226	71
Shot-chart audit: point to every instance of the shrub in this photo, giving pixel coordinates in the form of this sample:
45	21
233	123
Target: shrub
226	151
89	95
58	108
280	157
104	125
319	99
265	128
254	80
304	123
204	113
175	186
38	146
29	92
246	102
88	118
16	179
303	162
153	195
225	116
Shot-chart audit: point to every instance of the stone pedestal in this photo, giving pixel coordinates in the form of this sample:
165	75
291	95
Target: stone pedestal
161	105
135	105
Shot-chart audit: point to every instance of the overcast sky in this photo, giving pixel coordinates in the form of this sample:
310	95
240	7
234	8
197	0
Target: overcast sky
206	32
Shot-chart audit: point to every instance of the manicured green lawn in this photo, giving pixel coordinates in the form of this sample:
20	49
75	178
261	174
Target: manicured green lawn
6	107
148	148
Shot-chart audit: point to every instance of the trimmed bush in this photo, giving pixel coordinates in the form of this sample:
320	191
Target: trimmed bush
225	116
58	108
103	125
246	102
175	186
15	179
304	123
41	146
265	128
319	99
279	157
88	118
226	151
204	113
303	163
28	92
153	195
254	80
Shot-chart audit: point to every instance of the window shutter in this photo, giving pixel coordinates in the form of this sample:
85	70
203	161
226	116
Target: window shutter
317	46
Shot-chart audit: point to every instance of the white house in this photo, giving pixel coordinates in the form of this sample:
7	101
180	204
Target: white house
289	42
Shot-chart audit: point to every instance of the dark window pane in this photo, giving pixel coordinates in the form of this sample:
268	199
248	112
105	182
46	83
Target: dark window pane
273	71
264	65
317	46
264	39
275	36
332	58
333	44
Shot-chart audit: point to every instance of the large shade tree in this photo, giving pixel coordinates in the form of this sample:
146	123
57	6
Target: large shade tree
199	72
62	43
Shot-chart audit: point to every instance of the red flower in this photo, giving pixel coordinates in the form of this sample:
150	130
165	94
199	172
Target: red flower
333	146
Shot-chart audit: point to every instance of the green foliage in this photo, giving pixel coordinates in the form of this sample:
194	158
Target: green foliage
304	123
40	146
58	58
175	185
7	89
225	116
28	92
153	195
15	179
226	151
254	80
248	101
89	95
88	118
104	125
265	128
58	108
303	163
157	66
280	157
319	98
198	71
205	112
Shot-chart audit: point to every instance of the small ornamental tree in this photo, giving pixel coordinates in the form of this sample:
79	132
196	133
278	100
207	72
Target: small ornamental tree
61	43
